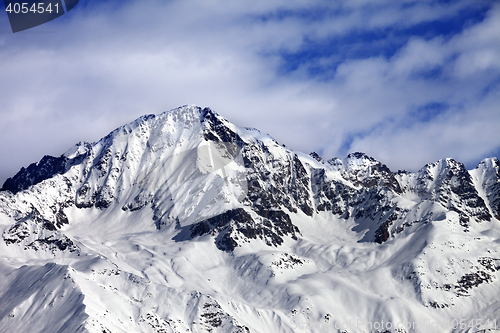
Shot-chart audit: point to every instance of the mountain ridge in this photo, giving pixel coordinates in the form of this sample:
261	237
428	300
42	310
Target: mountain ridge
171	199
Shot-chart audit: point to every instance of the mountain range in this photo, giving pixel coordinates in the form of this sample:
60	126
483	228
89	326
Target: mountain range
184	222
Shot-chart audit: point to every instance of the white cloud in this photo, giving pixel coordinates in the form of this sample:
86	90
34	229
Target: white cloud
479	47
108	64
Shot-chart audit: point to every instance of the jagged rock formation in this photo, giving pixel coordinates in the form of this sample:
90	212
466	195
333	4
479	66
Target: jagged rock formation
35	173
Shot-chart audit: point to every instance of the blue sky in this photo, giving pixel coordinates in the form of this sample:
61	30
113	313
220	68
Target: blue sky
407	82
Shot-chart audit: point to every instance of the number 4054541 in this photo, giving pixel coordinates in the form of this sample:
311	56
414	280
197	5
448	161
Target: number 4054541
35	8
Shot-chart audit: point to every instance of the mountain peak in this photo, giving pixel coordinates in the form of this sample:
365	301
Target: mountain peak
316	157
491	162
359	156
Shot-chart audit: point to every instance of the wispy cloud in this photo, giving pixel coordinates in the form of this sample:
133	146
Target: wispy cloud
407	82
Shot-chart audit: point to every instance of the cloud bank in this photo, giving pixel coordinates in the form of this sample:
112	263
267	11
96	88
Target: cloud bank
407	82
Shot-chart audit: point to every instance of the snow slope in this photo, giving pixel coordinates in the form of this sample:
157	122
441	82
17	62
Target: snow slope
183	222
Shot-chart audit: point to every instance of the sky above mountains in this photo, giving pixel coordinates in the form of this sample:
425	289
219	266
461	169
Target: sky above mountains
407	82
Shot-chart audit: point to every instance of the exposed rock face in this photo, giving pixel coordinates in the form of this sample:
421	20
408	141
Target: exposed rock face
488	175
35	232
35	173
360	169
450	184
239	225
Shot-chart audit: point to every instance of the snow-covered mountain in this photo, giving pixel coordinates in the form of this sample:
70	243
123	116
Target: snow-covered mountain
183	222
